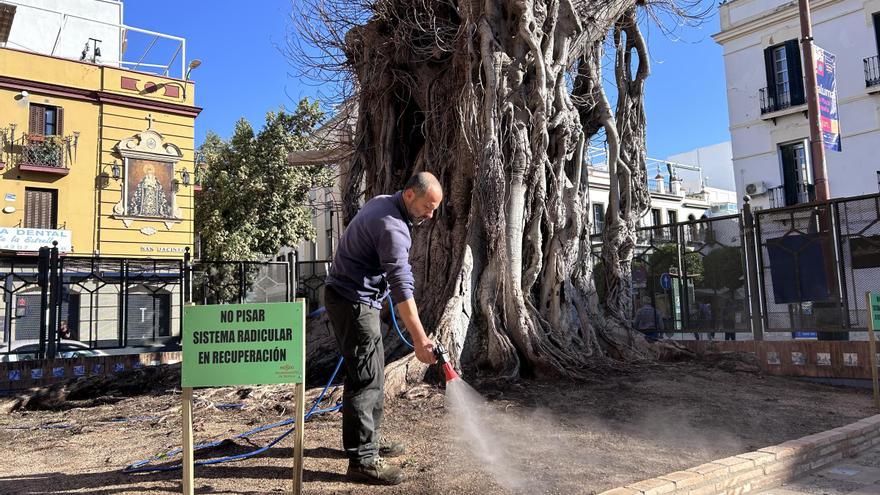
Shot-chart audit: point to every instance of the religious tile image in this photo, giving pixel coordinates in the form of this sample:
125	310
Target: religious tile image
773	358
798	358
823	358
149	188
850	359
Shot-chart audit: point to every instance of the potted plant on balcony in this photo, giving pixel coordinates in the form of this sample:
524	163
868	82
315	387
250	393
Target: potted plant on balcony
44	151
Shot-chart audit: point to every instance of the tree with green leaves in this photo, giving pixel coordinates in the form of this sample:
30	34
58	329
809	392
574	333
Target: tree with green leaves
253	202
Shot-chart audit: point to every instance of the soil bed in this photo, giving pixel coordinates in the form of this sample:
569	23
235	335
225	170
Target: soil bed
562	437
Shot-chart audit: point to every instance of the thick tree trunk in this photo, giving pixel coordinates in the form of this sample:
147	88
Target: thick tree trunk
478	93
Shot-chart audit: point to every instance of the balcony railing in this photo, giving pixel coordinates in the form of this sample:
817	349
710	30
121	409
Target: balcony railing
872	71
773	103
804	193
38	153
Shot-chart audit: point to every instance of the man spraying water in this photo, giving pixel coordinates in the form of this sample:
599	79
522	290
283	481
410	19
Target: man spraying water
373	258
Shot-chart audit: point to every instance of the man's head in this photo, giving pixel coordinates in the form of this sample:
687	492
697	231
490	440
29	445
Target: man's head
421	196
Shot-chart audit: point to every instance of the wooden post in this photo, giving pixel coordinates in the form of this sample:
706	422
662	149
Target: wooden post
300	397
187	424
872	351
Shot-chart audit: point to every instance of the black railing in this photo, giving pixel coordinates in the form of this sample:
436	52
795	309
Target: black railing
803	193
43	152
774	102
872	71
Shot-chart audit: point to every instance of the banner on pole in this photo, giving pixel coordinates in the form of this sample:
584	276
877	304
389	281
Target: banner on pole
826	68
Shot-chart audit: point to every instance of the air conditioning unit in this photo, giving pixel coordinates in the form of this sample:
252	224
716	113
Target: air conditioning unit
756	188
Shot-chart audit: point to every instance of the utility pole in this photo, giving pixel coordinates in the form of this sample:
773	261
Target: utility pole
817	147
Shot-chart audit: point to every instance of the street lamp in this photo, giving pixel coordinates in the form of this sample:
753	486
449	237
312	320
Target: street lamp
192	65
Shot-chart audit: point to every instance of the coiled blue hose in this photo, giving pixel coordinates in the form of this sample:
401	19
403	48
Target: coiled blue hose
145	466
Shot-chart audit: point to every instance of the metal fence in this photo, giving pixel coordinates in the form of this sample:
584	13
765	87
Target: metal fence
801	270
690	276
72	305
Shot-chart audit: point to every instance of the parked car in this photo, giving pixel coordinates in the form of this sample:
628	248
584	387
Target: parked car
26	350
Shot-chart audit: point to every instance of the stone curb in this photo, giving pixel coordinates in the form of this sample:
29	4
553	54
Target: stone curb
764	468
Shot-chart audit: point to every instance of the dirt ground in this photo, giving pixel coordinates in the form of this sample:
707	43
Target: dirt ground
556	437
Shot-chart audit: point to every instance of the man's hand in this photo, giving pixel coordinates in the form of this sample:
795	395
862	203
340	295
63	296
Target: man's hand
423	346
425	351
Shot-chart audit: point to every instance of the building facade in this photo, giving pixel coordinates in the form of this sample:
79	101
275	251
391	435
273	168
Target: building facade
94	156
100	158
766	98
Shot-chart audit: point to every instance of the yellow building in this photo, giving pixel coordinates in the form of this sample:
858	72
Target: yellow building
96	157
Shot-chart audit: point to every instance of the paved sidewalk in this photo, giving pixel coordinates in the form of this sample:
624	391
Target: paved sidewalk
852	476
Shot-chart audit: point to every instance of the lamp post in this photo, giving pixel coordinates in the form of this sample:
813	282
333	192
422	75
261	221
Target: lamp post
817	148
192	65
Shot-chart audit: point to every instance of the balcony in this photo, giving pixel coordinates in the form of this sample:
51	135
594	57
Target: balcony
44	154
872	72
804	193
774	103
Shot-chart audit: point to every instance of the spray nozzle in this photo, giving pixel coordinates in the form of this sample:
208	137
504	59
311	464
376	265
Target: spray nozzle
442	356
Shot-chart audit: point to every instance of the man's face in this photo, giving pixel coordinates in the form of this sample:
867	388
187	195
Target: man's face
422	207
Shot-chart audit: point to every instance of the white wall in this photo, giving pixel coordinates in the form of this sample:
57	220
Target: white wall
36	29
716	160
843	27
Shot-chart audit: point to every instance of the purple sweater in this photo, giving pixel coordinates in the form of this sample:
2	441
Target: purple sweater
373	254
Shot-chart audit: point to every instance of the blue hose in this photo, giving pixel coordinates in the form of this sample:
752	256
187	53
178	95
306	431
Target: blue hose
145	466
394	321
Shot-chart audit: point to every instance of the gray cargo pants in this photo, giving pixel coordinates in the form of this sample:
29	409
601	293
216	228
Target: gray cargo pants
358	336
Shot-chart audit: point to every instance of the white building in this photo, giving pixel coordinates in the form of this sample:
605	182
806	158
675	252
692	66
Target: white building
715	163
91	31
673	197
765	97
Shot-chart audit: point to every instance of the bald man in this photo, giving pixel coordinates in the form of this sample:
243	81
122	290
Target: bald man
371	260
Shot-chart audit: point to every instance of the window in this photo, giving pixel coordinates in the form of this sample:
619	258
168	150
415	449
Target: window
780	69
796	179
876	17
40	208
656	219
598	218
672	216
330	235
46	120
785	82
328	222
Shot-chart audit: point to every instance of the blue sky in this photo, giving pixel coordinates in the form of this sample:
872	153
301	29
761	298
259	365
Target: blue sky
244	73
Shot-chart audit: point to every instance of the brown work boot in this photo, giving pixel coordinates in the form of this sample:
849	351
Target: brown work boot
376	472
389	448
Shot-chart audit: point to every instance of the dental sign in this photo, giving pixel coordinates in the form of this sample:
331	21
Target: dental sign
19	239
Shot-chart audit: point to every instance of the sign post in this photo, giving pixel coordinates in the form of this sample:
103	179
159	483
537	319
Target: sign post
243	344
873	300
300	411
188	479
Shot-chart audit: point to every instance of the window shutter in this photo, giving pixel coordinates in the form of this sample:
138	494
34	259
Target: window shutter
37	120
29	208
795	72
771	76
40	210
59	121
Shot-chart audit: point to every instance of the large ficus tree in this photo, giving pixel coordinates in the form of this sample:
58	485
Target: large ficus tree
499	99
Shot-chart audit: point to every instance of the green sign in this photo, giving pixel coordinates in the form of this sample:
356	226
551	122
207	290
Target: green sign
874	309
243	344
